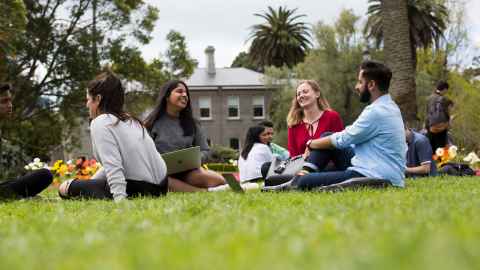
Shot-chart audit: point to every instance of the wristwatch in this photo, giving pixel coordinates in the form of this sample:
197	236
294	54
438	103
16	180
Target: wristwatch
308	144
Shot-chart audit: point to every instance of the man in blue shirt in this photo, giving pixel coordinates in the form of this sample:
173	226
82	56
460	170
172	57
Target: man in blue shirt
419	155
378	136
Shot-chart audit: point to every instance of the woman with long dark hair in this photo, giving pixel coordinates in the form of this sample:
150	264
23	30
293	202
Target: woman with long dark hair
131	165
255	153
172	127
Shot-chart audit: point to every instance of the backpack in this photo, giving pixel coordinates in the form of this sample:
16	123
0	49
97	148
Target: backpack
437	114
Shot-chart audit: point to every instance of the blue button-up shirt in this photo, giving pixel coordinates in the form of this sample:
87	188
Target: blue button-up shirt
379	138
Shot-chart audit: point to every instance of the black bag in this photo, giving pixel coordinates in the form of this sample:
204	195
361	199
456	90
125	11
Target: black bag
457	169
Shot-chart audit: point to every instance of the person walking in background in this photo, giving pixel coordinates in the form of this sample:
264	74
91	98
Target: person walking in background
25	186
255	153
310	115
131	165
437	122
172	127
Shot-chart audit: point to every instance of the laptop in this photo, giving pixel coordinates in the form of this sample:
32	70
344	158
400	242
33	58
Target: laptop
233	183
183	160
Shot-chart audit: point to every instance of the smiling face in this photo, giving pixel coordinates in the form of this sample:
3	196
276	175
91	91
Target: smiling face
267	135
92	105
306	96
6	107
178	98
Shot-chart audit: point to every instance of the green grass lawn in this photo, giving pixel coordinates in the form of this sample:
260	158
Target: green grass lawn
431	224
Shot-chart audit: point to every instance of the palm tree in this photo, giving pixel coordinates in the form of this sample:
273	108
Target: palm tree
281	40
428	21
398	55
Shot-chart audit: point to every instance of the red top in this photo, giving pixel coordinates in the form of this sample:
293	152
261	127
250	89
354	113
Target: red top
298	136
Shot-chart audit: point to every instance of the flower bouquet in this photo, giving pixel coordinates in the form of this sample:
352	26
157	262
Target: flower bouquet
444	155
82	169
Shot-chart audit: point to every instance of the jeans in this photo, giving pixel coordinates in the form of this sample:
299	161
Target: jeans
318	161
26	186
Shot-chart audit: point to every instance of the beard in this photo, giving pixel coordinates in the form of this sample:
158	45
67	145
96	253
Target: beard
365	95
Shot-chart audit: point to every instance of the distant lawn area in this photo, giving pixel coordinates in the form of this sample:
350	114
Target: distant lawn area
431	224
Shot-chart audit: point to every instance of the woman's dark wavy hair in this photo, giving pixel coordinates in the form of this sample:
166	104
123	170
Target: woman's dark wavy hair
112	93
253	136
187	122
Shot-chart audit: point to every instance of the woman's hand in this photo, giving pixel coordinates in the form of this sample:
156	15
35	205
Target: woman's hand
306	154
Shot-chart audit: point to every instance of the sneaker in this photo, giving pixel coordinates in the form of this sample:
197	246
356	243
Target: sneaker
219	188
287	186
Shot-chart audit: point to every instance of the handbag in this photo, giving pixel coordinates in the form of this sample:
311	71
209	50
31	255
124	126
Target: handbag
291	166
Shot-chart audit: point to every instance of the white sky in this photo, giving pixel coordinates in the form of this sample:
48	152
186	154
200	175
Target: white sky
225	23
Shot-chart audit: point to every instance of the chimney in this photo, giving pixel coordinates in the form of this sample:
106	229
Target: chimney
210	52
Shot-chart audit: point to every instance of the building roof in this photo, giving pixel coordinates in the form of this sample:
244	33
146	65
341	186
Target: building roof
234	78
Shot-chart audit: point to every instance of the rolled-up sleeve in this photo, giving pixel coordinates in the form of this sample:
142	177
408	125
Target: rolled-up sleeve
363	129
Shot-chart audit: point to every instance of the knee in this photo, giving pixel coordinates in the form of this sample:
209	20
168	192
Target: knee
46	176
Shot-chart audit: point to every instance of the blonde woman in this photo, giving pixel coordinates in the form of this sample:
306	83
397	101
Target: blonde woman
309	117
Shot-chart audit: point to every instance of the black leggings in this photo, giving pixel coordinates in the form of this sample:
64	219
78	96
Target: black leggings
99	189
26	186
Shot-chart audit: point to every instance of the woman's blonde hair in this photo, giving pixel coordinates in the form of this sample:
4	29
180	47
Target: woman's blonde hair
295	115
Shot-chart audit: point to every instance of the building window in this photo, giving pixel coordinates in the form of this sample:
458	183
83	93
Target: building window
205	105
233	107
234	143
258	107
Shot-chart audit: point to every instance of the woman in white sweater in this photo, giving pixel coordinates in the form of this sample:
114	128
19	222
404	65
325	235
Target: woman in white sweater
131	165
255	153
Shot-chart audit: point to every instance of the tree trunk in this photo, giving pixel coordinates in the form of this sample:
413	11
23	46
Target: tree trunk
399	58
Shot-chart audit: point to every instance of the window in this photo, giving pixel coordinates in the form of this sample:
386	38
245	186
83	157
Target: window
234	143
205	105
258	107
233	107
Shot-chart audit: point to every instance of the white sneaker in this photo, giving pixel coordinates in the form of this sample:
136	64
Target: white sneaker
219	188
249	186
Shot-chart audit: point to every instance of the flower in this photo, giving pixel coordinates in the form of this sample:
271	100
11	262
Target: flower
439	152
452	151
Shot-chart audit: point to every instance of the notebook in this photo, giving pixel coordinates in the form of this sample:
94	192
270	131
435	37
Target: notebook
183	160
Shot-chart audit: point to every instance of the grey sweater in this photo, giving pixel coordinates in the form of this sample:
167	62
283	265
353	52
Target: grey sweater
126	152
167	134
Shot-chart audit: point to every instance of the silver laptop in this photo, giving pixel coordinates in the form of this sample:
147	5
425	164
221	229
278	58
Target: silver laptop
183	160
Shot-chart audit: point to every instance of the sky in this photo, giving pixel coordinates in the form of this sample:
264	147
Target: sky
225	24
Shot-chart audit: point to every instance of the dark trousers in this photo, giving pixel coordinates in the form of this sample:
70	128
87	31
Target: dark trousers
318	161
100	189
438	140
26	186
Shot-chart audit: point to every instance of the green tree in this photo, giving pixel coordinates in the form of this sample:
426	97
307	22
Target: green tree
399	57
334	63
58	53
179	62
280	40
427	22
243	59
10	27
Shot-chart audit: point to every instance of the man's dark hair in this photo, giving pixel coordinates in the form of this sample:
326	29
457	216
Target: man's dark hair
442	85
266	123
4	87
377	72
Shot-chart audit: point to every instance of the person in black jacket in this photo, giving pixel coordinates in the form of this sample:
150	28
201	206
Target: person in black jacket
28	185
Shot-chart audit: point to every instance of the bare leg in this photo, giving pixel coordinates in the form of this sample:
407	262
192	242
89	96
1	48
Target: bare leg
175	185
204	178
